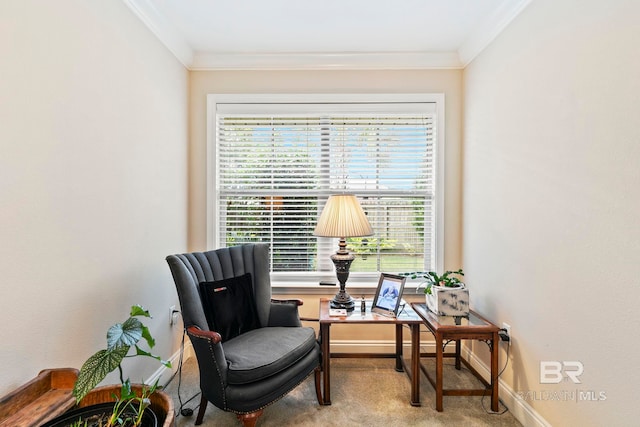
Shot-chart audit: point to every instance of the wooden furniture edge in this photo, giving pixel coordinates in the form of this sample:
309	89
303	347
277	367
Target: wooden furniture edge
39	400
49	395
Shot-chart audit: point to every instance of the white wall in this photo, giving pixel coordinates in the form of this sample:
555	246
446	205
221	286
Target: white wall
551	232
93	181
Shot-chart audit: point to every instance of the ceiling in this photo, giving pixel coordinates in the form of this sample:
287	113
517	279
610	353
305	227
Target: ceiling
326	34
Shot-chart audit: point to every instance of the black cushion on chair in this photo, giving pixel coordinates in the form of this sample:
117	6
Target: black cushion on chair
264	352
229	306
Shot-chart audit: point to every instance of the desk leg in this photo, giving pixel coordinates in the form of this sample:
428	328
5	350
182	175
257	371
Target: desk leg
494	372
326	362
439	357
415	365
399	348
458	367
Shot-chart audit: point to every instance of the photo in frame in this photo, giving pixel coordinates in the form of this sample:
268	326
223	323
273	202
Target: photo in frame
388	295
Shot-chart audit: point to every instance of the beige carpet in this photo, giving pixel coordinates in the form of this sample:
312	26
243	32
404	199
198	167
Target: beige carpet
364	392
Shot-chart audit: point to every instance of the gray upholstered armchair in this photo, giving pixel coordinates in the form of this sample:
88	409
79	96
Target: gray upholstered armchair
242	368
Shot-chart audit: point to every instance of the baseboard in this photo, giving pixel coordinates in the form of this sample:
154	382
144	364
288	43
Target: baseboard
163	374
363	346
520	409
378	346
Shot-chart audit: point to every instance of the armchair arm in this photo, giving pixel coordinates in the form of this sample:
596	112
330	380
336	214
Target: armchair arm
211	362
284	312
296	301
213	336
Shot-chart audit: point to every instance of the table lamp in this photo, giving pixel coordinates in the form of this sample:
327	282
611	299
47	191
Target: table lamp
343	217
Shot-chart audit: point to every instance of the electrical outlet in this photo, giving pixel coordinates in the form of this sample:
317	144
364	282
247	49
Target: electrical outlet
507	327
172	313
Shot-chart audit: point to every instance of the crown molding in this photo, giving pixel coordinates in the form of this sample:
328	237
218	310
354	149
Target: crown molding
477	41
324	61
487	31
162	29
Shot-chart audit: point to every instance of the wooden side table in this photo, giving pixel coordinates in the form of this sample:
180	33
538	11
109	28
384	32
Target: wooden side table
456	328
406	317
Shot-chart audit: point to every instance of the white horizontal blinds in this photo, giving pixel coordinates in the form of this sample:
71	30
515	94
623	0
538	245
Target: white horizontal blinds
275	172
390	167
268	179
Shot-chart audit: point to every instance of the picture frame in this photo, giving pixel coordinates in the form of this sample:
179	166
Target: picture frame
388	295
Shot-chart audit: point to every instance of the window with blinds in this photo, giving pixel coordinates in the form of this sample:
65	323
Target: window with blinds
275	170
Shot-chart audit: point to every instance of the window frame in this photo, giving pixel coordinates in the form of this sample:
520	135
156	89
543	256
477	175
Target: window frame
292	281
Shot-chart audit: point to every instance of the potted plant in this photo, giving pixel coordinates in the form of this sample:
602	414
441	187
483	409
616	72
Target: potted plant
445	294
127	405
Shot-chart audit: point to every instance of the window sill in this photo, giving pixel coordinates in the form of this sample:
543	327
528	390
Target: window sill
309	288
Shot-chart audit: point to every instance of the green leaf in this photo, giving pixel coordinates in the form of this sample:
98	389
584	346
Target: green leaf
147	336
138	310
125	334
126	392
96	368
141	352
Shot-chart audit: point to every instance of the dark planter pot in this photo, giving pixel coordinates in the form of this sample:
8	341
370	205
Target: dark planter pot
161	402
97	416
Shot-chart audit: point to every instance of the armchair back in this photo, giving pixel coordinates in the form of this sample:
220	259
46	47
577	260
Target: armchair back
190	269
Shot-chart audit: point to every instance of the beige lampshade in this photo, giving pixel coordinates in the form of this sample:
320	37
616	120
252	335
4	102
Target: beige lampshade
343	216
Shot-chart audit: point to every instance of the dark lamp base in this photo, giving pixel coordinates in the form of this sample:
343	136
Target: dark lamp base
342	261
348	305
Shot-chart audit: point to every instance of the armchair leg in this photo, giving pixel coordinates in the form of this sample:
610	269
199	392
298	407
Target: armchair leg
203	408
317	374
249	420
